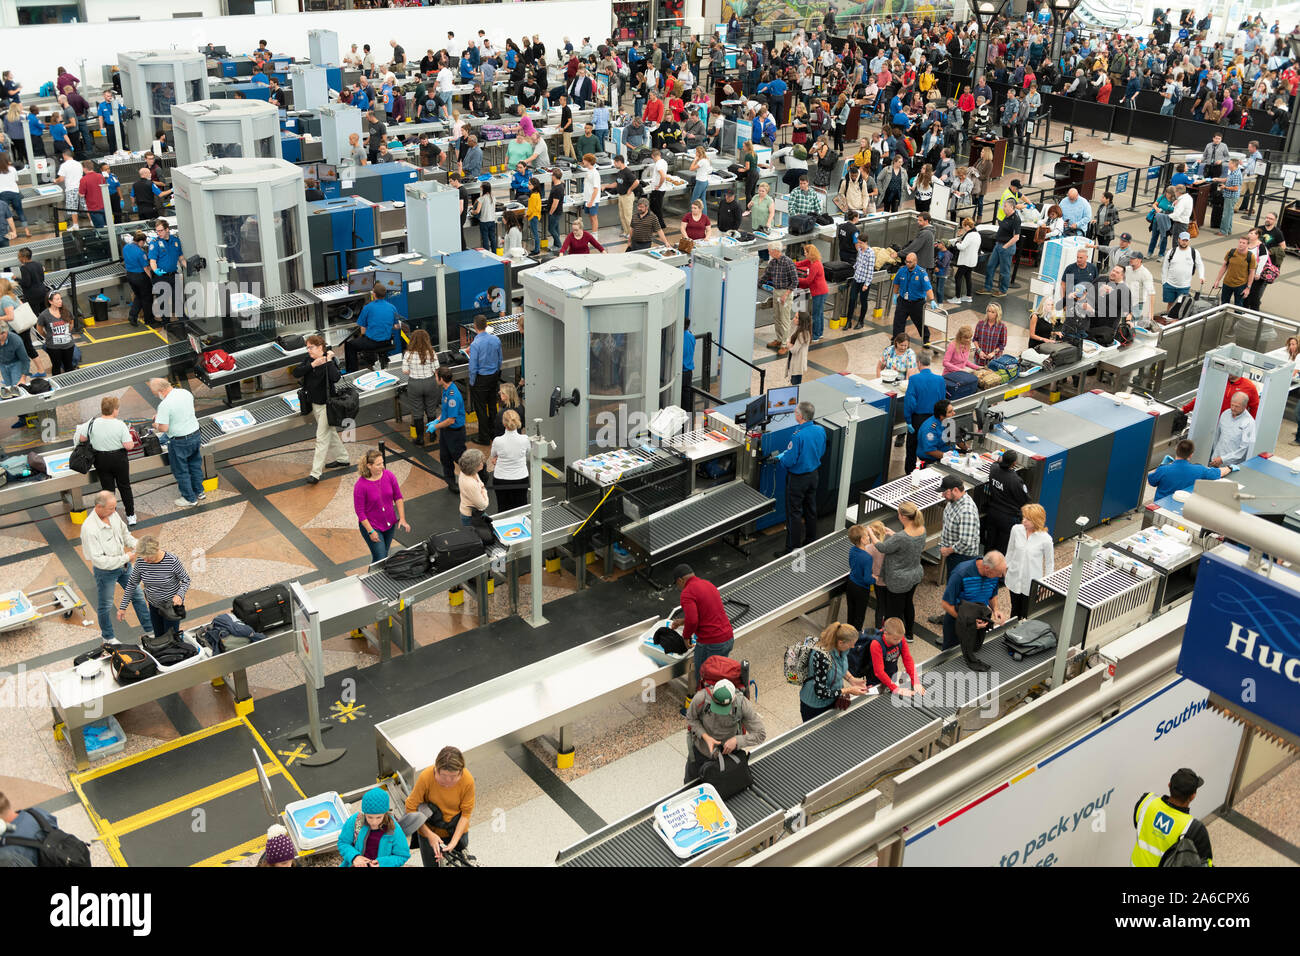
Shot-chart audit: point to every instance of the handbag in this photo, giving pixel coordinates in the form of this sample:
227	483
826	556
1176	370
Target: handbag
24	318
729	774
82	458
1193	229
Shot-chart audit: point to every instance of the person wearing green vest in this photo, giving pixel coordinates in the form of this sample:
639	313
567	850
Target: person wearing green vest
1012	192
1162	821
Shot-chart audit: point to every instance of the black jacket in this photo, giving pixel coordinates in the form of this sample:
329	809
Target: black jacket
316	381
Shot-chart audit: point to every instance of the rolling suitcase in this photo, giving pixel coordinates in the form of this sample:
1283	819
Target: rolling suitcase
265	609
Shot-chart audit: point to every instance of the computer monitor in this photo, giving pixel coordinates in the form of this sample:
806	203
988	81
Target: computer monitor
391	281
756	415
361	282
782	400
327	173
310	172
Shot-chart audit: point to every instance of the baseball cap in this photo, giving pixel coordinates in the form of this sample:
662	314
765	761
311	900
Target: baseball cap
1184	779
1184	235
682	571
1127	237
1081	290
949	482
1139	255
724	692
1015	183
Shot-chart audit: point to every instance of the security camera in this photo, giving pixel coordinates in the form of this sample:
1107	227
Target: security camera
558	400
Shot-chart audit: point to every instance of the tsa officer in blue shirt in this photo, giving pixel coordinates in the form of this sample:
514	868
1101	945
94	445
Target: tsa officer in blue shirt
135	258
1180	474
376	323
688	367
925	390
801	460
484	378
107	110
165	259
912	286
37	129
450	428
932	441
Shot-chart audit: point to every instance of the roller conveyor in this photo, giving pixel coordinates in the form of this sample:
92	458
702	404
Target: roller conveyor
92	381
696	520
251	362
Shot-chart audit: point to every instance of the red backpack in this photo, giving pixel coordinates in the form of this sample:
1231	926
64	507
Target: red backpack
718	668
218	360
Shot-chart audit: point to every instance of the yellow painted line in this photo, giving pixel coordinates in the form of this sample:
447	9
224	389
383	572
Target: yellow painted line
284	771
551	471
165	340
1023	775
187	802
156	751
1016	392
99	823
124	335
114	847
236	853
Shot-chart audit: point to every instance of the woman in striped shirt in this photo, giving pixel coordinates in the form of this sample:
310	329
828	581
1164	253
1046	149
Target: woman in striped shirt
423	392
165	585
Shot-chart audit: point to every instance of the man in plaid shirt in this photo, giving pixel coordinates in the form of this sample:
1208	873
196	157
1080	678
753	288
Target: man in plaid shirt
783	277
960	539
864	267
804	201
990	335
1231	194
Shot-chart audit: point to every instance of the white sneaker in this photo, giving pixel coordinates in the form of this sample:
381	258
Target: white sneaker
956	301
203	496
967	298
130	520
182	503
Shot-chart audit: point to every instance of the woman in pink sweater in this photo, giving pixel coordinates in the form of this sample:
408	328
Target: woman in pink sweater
377	500
957	358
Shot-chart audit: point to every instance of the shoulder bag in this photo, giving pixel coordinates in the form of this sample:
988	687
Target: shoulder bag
82	458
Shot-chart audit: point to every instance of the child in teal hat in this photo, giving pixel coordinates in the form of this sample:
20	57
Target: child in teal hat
370	837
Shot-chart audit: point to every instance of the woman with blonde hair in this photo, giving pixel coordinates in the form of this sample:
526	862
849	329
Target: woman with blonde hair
828	672
377	501
703	169
509	462
423	393
958	357
109	438
902	571
983	175
1031	556
508	400
473	493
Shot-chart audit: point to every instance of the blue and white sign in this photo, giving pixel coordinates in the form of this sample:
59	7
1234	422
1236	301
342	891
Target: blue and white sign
1121	183
1242	639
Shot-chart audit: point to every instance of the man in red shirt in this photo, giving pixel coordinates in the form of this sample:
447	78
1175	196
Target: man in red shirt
91	190
1236	383
703	617
654	109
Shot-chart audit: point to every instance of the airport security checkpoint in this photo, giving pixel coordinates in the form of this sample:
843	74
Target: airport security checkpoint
584	436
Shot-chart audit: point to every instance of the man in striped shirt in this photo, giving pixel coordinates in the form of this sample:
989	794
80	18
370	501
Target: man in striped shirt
864	267
1231	194
165	585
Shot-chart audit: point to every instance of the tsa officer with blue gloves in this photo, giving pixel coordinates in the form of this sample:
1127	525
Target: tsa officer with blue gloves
801	460
376	322
135	259
107	110
1180	474
450	428
912	286
484	378
165	258
931	443
924	391
688	367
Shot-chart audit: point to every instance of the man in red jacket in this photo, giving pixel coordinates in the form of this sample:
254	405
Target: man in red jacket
91	190
703	617
1236	383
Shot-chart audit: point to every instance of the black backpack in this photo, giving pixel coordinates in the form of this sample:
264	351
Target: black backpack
55	848
410	564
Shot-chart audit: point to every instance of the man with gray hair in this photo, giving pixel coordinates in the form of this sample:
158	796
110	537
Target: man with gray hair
175	418
801	460
783	278
1235	434
109	547
973	585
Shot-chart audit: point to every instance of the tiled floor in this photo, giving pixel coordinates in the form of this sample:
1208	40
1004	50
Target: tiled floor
263	524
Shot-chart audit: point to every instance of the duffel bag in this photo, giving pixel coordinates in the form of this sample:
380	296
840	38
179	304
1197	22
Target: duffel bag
342	406
1059	353
988	378
961	384
802	225
717	668
1027	638
409	564
291	343
727	773
130	664
265	609
1006	363
450	548
174	652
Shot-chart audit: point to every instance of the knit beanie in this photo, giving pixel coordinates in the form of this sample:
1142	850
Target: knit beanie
375	801
279	848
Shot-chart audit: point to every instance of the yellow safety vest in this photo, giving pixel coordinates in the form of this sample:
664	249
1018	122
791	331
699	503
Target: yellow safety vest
1159	827
1006	194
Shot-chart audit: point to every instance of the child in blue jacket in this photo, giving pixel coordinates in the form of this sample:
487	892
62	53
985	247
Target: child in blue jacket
389	846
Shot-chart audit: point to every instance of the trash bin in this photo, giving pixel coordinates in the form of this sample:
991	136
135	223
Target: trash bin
99	309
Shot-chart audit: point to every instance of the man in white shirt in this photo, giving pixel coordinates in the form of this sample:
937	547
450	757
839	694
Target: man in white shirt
1141	286
69	177
659	184
175	418
445	84
1181	264
1235	435
109	547
452	47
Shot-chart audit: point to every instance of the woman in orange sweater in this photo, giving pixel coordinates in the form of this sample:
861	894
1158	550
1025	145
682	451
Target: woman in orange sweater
813	278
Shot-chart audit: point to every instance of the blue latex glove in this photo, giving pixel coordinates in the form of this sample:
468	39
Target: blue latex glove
430	428
1167	459
911	429
1234	468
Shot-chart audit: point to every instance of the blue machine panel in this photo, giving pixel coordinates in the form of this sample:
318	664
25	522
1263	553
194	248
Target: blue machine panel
1132	432
251	91
1049	459
845	384
291	148
334	78
348	223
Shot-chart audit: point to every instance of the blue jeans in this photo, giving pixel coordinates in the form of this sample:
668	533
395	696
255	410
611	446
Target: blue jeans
378	549
638	104
816	308
15	201
183	454
553	230
999	262
1167	109
12	372
162	626
106	600
600	137
1233	293
704	651
98	219
465	520
535	225
698	192
1229	207
487	234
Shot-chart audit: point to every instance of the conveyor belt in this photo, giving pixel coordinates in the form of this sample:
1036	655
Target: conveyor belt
1100	583
108	273
834	746
91	381
265	411
254	361
957	687
765	590
641	845
697	519
924	494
